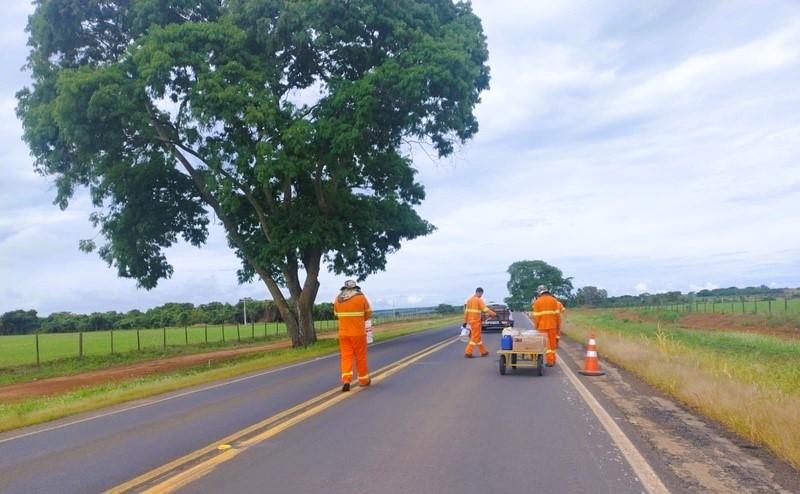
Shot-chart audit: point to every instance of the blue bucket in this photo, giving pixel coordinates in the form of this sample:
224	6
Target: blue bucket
507	342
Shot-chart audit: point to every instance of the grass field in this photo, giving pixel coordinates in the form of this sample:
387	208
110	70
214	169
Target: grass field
39	410
17	350
734	306
749	382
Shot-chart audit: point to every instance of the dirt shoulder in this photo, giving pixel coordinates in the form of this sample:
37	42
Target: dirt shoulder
690	452
56	385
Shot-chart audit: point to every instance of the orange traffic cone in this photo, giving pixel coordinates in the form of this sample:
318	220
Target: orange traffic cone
592	366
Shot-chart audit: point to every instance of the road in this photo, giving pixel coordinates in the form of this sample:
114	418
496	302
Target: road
438	423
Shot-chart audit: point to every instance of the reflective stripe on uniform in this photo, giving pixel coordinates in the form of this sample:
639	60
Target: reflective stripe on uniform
550	351
345	374
473	311
546	312
349	314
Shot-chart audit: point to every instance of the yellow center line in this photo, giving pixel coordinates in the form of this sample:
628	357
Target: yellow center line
308	408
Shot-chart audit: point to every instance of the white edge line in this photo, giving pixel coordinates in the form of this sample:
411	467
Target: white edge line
650	480
180	395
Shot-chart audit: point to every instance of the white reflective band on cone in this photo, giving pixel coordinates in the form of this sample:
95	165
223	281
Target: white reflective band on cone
591	353
592	342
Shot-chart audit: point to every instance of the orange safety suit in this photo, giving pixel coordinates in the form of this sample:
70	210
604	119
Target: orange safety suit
352	314
547	318
474	308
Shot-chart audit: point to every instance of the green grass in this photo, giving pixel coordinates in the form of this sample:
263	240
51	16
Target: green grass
751	358
19	350
775	307
39	410
749	382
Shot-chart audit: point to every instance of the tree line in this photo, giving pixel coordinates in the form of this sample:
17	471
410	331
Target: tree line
526	276
170	314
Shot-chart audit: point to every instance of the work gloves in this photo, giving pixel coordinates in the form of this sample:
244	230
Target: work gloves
464	326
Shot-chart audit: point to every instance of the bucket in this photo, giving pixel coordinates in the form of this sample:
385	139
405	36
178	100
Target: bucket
507	342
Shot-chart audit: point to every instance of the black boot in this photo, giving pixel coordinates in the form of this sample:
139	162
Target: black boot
345	387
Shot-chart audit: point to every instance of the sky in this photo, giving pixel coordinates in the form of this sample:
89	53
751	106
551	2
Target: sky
638	146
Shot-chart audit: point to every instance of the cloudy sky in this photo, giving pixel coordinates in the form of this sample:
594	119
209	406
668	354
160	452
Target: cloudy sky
639	146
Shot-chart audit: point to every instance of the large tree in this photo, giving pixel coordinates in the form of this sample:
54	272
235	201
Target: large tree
289	121
526	276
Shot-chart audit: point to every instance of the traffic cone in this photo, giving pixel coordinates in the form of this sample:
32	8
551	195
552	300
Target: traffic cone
592	365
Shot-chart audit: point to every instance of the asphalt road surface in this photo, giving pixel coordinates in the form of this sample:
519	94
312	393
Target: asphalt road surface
438	423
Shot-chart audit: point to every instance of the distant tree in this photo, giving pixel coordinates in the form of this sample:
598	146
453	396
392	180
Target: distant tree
526	276
289	121
447	309
19	322
591	295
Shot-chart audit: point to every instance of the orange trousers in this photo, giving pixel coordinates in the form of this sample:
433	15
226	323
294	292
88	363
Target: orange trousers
552	344
475	338
354	347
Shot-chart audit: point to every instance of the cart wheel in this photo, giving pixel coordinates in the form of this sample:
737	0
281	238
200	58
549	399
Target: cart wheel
513	360
540	364
502	365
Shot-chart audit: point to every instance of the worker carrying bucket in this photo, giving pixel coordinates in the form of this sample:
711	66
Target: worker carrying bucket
473	310
352	309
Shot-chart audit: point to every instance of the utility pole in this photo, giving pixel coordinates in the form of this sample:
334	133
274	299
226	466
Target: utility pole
244	301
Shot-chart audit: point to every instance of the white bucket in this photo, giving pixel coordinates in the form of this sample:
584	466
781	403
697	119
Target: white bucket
464	336
368	325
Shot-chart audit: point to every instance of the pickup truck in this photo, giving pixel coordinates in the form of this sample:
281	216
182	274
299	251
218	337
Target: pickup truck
504	318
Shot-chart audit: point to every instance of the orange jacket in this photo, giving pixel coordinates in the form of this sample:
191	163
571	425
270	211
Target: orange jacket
473	308
352	313
547	312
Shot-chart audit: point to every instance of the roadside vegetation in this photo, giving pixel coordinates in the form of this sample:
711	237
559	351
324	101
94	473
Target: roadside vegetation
34	411
748	381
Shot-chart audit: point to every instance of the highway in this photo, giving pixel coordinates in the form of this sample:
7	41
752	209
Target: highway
433	422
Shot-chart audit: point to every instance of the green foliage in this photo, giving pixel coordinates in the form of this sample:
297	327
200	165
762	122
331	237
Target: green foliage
447	309
590	295
289	120
19	322
526	276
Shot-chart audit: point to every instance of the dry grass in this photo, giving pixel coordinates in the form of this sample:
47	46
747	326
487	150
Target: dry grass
703	379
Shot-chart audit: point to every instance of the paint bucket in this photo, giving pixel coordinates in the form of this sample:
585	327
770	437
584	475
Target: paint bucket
506	342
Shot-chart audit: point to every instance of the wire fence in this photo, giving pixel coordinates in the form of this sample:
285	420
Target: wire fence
34	349
726	305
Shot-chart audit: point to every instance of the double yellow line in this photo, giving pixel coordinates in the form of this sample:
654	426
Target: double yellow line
193	466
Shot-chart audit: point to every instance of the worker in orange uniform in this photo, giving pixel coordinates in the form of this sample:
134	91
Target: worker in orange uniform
352	309
547	319
473	310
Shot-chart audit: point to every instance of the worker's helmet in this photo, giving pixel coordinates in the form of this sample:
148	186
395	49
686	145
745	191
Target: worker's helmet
350	285
542	289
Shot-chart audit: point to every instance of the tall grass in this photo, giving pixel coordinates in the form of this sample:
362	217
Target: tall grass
748	382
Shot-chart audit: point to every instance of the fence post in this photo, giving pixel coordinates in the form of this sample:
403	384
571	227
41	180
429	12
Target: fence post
223	331
276	328
238	336
80	344
755	306
253	330
37	350
186	335
138	341
769	306
111	332
742	305
205	330
165	337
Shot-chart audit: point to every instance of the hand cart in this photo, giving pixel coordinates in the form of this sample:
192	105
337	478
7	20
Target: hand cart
521	360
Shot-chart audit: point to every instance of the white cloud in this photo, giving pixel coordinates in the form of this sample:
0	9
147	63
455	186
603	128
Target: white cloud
637	146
